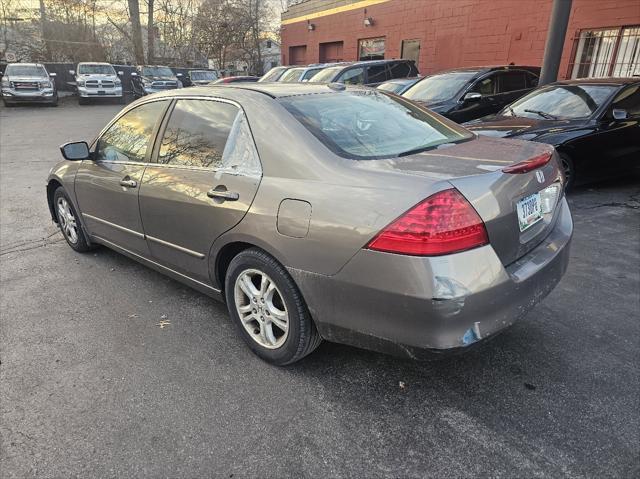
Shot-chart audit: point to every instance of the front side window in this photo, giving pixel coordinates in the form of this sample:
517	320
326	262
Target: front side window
371	49
485	86
353	76
131	135
364	125
96	70
26	70
439	87
197	133
564	102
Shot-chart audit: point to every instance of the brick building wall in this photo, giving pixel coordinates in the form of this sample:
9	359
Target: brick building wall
452	33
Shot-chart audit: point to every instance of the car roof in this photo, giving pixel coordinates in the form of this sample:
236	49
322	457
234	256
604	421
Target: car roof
93	63
599	81
27	64
486	69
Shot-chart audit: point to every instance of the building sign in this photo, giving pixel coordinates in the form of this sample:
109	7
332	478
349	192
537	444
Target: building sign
371	49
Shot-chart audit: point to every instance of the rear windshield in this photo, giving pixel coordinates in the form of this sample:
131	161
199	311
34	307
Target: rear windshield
366	125
439	87
26	70
96	70
291	76
202	75
326	75
157	71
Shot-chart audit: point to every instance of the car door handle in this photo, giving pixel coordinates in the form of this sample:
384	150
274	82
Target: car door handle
128	182
223	195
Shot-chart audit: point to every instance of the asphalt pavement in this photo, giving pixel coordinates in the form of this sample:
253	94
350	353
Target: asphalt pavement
109	369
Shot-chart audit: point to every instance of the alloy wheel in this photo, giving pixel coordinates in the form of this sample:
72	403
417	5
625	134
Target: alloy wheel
261	308
67	220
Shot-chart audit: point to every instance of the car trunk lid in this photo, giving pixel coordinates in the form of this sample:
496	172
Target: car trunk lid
475	169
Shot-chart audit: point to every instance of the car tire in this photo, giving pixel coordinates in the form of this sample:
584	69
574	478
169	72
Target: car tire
54	102
267	337
569	171
69	223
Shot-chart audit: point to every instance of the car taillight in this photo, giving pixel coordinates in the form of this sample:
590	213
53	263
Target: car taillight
528	165
226	80
444	223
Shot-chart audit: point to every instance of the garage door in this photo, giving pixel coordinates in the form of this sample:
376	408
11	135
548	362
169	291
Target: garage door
298	55
331	52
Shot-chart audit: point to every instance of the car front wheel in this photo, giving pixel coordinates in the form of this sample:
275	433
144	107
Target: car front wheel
569	171
268	309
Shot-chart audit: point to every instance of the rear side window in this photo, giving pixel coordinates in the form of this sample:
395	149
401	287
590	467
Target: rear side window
131	135
512	81
197	133
367	125
400	70
377	74
353	76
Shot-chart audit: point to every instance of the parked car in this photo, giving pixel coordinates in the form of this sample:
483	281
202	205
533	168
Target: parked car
97	80
200	77
237	79
28	83
397	86
465	94
370	73
593	123
419	240
301	74
151	79
274	74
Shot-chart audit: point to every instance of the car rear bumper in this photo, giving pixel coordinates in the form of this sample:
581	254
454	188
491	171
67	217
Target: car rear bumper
412	305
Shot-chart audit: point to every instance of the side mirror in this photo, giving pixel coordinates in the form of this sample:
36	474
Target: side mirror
471	96
134	74
53	75
75	151
619	114
120	72
72	72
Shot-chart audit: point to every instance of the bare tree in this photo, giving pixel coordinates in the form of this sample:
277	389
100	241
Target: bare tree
134	15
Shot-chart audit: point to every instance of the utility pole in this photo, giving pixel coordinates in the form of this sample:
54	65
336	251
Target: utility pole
560	12
151	34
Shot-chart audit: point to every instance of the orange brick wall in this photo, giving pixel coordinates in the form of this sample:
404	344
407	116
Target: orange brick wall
456	33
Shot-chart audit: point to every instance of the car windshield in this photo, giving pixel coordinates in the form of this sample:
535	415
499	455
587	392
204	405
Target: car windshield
96	70
326	75
439	87
273	74
157	72
291	76
368	124
26	70
204	76
561	102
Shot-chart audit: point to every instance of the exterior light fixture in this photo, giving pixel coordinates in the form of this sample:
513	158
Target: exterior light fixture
311	27
368	21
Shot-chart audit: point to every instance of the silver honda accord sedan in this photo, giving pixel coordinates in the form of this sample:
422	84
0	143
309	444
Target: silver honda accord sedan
323	212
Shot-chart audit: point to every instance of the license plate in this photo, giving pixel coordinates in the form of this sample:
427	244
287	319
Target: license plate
101	92
529	211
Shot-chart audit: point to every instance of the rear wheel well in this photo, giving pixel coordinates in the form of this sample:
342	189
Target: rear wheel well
226	254
52	186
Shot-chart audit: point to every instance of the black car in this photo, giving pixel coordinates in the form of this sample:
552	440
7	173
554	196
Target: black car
370	73
153	78
593	123
465	94
199	77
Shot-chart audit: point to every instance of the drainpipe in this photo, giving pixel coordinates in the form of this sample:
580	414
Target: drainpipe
560	12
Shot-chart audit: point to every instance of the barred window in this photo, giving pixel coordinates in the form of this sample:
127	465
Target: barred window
607	52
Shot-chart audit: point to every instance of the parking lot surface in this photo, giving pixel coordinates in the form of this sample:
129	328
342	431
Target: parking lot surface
110	369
